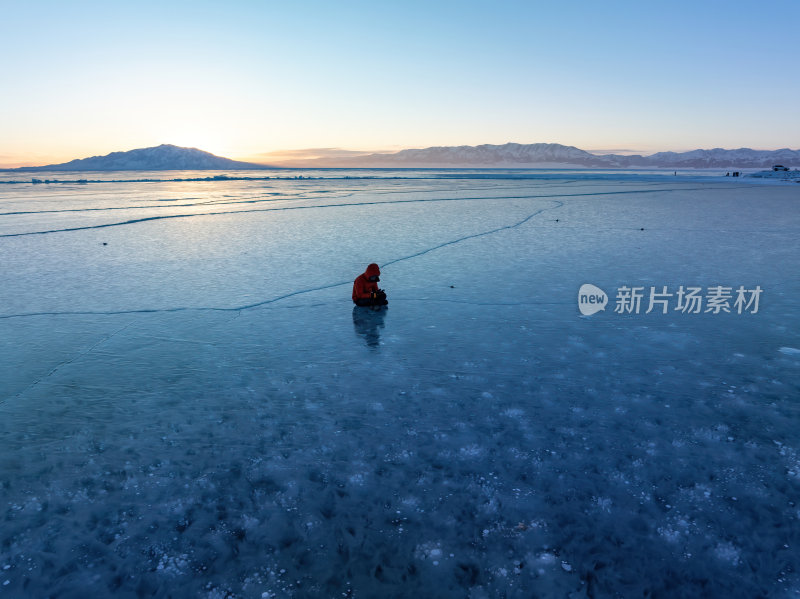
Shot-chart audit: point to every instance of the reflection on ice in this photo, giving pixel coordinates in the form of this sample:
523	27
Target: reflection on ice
196	409
368	321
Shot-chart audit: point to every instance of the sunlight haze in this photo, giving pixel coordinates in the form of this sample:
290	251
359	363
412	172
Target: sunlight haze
246	79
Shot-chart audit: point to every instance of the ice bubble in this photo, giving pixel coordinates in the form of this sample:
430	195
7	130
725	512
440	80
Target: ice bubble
603	503
670	534
470	451
357	479
512	412
727	552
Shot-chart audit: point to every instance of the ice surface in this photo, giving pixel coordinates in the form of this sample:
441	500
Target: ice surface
190	405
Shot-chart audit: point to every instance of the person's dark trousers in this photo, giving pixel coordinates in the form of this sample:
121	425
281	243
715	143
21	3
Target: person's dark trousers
369	301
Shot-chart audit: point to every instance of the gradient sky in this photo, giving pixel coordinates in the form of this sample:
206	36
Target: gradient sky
245	78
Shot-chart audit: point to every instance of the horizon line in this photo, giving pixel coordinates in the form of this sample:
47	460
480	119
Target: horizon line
305	155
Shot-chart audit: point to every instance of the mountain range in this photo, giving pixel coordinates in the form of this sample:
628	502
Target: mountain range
510	155
165	157
513	155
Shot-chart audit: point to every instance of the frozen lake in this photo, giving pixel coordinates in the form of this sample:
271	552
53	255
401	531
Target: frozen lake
190	405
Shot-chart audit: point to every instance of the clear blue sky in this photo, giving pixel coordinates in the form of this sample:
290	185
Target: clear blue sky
242	78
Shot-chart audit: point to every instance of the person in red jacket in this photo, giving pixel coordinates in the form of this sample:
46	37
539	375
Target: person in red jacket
365	288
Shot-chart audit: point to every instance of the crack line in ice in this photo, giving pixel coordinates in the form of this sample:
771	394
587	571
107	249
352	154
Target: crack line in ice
455	301
71	360
344	205
217	202
256	199
558	204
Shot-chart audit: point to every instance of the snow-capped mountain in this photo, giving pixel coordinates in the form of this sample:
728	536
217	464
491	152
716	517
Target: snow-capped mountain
719	157
512	155
490	155
159	158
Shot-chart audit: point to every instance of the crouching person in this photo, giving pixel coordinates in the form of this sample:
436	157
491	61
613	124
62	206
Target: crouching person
365	288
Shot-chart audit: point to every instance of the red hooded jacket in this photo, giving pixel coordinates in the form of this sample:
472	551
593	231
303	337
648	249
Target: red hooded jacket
362	286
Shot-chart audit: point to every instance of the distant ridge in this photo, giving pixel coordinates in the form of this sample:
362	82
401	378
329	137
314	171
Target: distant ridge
514	155
165	157
510	155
